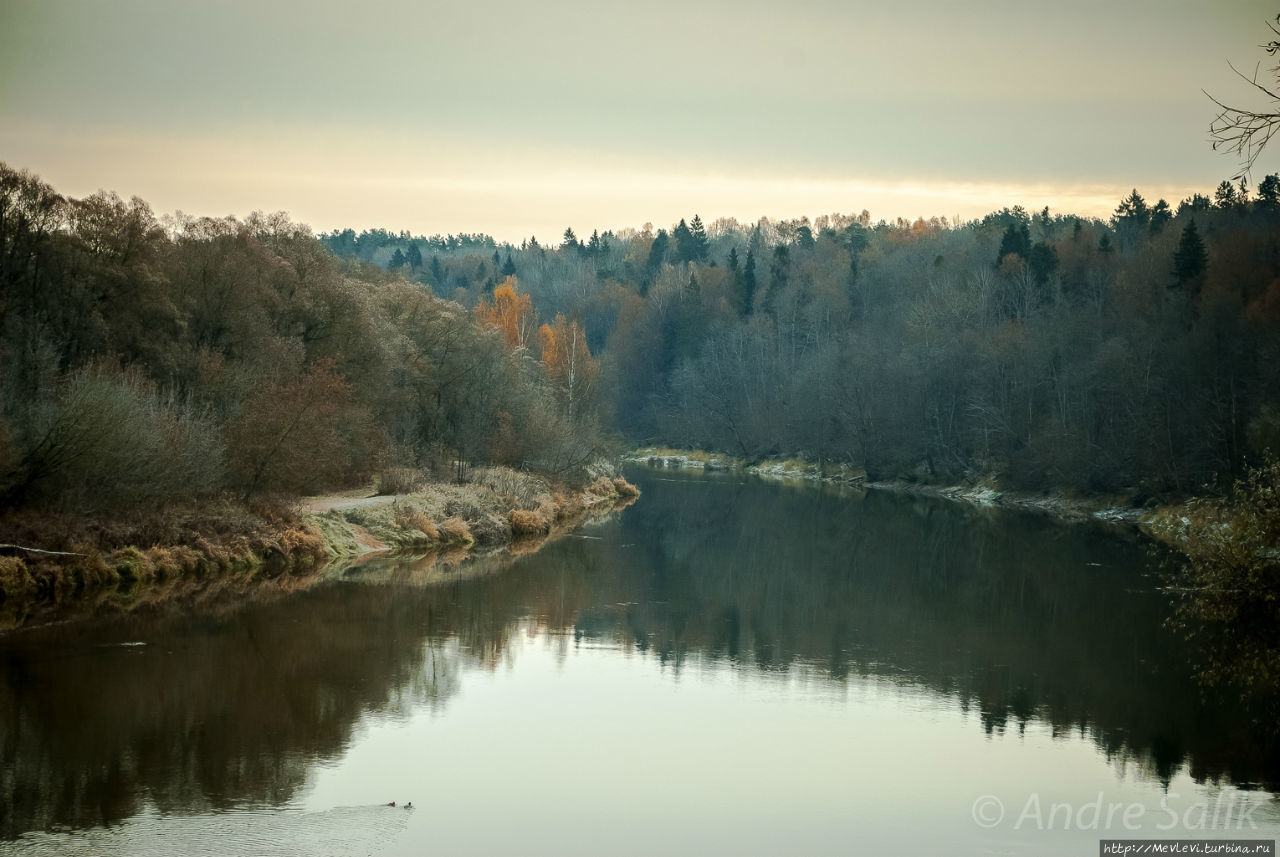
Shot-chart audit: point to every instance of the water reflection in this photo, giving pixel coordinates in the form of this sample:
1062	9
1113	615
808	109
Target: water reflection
1015	618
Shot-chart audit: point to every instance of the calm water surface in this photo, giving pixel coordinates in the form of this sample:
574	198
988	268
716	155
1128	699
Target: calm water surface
726	667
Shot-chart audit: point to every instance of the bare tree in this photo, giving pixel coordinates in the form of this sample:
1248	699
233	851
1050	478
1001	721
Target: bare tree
1243	131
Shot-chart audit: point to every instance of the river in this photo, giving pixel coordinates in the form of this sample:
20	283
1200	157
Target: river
727	667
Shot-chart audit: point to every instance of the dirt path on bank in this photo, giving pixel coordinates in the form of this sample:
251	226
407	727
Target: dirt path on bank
348	500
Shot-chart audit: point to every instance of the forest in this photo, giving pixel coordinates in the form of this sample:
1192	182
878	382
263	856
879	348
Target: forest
1134	357
147	360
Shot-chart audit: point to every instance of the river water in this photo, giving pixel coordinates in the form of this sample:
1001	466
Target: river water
727	667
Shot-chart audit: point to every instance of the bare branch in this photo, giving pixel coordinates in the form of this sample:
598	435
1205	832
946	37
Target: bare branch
1242	131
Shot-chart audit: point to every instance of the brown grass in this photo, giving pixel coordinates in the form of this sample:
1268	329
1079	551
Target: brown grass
410	517
15	579
625	488
455	531
528	523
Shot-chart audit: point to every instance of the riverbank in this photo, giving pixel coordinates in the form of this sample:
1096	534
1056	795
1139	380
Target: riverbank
497	506
54	567
984	493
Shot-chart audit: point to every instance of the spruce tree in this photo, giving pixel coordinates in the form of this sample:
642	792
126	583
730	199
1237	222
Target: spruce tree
699	246
1190	260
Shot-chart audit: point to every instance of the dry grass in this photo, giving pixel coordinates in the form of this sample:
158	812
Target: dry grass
526	523
455	531
184	542
15	580
625	488
400	480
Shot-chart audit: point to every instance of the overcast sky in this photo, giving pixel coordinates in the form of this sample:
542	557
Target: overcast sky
518	117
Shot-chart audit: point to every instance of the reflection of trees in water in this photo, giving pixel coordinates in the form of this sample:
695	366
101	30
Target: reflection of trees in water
212	712
1015	617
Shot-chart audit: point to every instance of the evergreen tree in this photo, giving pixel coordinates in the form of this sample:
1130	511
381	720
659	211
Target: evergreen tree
570	241
699	246
1190	260
685	249
1194	204
1017	239
1133	211
437	271
804	237
414	256
657	258
397	260
508	267
1269	193
1160	215
1042	262
1225	196
748	293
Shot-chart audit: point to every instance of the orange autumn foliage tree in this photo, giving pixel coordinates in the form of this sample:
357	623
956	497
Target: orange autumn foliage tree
569	363
510	312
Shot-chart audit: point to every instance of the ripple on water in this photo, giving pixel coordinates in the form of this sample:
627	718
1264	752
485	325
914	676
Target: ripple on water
344	830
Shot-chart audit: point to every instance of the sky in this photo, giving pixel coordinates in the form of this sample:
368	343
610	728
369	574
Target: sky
520	117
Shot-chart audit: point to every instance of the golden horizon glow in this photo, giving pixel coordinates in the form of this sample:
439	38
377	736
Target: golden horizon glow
517	119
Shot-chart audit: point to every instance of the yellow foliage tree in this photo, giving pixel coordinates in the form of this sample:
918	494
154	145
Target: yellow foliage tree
510	312
568	362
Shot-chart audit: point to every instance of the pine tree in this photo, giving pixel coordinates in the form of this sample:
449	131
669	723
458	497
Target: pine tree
1269	193
1225	196
1160	215
685	250
1017	239
570	241
508	267
700	247
414	256
397	260
1133	210
748	293
657	258
1190	260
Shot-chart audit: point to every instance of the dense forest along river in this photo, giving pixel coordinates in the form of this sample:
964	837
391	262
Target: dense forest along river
728	667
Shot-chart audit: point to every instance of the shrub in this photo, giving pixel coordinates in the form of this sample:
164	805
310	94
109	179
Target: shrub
454	531
15	580
413	519
528	523
1232	598
131	564
400	480
490	529
103	438
625	488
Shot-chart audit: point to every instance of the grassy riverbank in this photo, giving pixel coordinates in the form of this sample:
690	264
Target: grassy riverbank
54	565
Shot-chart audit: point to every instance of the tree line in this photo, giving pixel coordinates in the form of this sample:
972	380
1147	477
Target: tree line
144	358
1133	355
